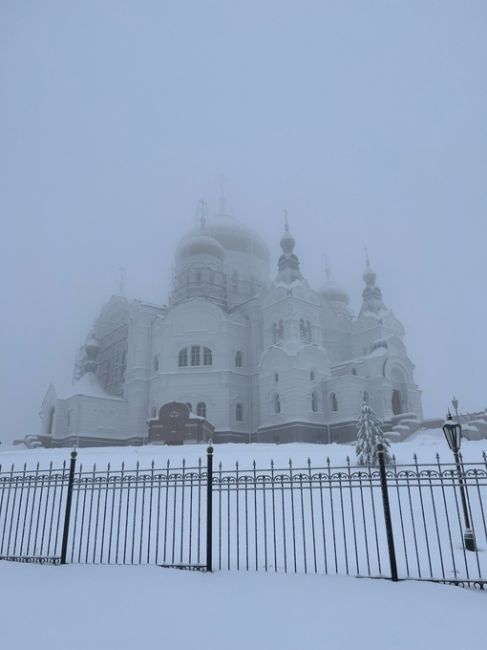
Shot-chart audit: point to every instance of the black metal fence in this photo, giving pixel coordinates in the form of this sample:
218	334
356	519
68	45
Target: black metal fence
394	521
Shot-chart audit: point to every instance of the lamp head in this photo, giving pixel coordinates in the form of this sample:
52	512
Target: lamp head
453	433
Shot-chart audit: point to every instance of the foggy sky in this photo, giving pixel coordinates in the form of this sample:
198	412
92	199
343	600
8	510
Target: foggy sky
365	120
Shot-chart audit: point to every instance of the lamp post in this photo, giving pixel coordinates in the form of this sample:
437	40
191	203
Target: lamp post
453	435
454	403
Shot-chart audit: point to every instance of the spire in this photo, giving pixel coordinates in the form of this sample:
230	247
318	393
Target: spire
330	289
287	240
369	275
203	213
328	274
122	282
372	295
288	262
222	202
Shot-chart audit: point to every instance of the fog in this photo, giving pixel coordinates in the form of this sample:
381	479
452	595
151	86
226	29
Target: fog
365	120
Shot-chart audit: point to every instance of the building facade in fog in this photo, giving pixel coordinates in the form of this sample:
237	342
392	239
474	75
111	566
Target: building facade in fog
254	350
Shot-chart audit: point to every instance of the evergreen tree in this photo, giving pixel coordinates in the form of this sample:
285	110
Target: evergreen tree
370	435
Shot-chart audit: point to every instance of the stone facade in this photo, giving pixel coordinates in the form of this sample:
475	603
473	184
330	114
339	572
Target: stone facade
261	359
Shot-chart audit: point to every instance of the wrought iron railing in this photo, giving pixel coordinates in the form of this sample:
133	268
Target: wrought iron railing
392	521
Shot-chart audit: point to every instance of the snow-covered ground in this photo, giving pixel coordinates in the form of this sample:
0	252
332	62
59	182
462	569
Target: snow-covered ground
122	608
425	444
90	607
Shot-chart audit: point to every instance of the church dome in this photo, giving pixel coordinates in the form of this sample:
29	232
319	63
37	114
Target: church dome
201	245
332	291
232	235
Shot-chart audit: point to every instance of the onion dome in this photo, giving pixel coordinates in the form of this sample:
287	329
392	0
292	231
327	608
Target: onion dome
372	295
201	244
331	290
288	264
369	275
90	353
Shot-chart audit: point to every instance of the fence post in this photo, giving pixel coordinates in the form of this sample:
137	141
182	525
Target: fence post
209	508
67	513
387	512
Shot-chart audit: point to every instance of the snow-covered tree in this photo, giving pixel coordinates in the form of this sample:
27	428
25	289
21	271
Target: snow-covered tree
370	435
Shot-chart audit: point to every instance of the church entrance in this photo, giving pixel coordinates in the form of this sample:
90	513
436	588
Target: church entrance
396	402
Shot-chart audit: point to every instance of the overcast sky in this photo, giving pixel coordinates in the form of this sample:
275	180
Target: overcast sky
367	120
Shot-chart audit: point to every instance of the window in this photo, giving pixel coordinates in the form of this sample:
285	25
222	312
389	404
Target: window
276	377
354	371
314	402
201	409
239	413
365	396
199	276
278	331
199	356
155	363
195	355
183	358
312	375
153	412
274	332
234	281
333	402
238	359
277	404
207	357
305	330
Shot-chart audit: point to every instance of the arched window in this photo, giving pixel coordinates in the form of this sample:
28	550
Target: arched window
207	357
309	332
201	409
312	375
195	355
314	402
365	396
276	377
333	402
183	358
155	363
274	332
239	412
277	404
238	359
354	371
280	330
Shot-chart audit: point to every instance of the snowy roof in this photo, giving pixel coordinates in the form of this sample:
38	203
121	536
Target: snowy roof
87	386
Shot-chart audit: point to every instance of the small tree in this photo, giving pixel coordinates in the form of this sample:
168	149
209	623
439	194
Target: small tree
370	435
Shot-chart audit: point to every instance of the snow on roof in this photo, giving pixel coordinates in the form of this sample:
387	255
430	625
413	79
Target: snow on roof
87	386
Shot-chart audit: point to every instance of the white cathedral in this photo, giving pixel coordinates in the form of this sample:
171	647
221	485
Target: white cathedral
259	354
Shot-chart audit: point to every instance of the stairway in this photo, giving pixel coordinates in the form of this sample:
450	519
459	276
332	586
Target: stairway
403	426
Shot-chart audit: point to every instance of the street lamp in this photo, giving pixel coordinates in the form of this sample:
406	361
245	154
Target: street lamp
454	403
453	435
